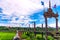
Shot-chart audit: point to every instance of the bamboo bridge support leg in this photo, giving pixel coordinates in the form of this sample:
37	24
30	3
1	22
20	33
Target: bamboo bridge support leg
56	25
42	31
35	28
46	29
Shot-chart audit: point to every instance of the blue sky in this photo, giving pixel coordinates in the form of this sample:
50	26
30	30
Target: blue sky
24	12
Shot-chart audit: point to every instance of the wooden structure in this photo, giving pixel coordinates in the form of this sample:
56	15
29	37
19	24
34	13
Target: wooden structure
50	14
34	26
20	31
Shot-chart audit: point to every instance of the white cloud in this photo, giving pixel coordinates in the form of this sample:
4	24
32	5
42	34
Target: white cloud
54	25
19	8
49	25
22	9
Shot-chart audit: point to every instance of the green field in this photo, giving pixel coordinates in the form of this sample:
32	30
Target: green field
29	36
7	35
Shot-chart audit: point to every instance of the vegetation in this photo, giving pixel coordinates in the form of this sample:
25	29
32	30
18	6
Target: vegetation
8	33
3	28
31	36
26	35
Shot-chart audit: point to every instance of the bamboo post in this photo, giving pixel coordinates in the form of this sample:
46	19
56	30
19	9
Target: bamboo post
46	29
42	31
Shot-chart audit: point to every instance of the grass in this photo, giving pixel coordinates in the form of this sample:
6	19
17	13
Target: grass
30	36
10	36
40	36
7	35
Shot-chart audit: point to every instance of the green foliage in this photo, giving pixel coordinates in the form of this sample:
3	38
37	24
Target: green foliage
10	32
6	35
31	36
50	38
39	38
25	35
21	28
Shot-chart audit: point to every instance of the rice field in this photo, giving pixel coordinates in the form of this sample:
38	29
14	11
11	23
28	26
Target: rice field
10	36
7	35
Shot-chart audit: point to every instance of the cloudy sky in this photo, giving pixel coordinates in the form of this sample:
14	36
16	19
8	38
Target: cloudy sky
24	12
